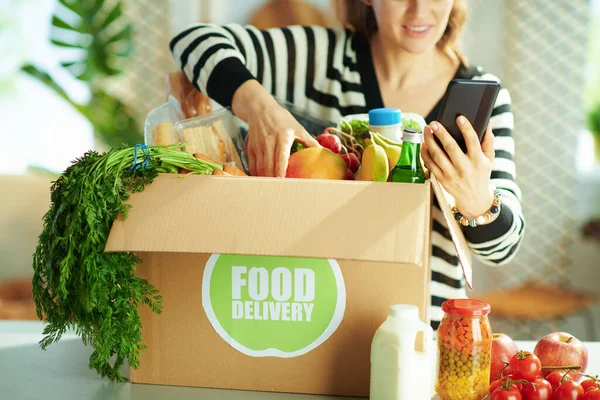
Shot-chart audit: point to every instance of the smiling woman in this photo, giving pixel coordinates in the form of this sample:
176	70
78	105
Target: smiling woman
392	53
360	15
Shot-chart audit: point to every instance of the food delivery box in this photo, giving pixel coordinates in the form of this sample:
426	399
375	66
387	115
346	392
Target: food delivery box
276	284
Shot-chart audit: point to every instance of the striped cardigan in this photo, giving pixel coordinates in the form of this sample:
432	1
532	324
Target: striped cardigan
330	73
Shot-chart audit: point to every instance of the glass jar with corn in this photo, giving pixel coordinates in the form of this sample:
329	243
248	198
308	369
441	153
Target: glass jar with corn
464	340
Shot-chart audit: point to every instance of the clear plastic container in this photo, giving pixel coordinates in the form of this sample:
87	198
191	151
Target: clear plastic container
217	136
413	121
159	126
464	340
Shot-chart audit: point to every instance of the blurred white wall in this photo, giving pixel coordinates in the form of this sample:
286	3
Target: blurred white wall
485	23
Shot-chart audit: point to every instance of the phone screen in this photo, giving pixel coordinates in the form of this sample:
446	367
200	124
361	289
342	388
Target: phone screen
474	99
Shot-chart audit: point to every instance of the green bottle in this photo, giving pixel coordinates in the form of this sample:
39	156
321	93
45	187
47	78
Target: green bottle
408	169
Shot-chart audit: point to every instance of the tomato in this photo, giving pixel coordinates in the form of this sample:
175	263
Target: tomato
525	365
543	390
555	377
591	394
568	390
500	382
589	383
495	385
506	394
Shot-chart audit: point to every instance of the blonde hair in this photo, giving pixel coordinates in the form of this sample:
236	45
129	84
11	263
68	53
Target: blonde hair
358	16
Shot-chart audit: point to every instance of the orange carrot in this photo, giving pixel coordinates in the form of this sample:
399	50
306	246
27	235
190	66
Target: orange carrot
233	170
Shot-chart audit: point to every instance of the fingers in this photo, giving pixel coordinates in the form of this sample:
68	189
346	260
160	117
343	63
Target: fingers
453	150
429	163
282	153
487	145
470	136
260	163
269	156
436	155
307	140
252	161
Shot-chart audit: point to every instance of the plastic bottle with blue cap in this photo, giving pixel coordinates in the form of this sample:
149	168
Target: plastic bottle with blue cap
387	122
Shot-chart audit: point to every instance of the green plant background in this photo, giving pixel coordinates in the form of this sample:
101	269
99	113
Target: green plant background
103	36
592	91
287	336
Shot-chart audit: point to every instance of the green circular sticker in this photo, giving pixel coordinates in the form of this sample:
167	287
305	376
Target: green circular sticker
273	306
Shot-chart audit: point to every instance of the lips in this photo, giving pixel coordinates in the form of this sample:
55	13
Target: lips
417	30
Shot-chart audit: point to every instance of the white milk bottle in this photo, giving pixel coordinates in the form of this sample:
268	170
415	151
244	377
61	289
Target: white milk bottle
398	370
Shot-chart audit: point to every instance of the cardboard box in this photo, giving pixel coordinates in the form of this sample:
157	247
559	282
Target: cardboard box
274	284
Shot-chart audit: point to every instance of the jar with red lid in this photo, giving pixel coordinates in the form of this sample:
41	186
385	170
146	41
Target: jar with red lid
464	340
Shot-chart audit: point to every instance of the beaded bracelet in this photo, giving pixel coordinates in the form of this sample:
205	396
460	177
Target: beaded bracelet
482	219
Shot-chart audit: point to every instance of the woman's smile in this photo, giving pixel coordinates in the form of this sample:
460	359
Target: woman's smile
417	30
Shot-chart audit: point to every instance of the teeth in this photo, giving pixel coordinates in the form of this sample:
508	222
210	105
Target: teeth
418	28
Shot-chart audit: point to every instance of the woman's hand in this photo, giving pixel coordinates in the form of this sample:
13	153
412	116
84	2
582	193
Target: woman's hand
465	176
271	130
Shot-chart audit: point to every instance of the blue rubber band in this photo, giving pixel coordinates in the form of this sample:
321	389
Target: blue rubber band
146	151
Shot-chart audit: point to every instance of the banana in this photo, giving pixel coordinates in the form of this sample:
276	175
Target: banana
392	149
374	166
385	139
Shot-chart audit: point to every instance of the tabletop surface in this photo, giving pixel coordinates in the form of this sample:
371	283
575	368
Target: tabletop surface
61	372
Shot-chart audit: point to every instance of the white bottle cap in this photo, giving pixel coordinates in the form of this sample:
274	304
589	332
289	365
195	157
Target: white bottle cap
404	311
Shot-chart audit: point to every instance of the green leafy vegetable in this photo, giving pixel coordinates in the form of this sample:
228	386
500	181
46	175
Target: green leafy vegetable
411	124
76	285
356	128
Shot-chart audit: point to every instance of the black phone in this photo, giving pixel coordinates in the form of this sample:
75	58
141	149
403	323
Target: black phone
474	99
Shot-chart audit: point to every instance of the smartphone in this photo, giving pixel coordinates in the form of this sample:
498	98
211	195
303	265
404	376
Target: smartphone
474	99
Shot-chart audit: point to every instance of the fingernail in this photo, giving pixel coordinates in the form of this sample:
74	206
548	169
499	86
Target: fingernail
461	120
434	126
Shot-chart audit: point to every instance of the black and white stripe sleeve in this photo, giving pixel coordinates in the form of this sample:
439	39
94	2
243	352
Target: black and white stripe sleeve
498	242
218	59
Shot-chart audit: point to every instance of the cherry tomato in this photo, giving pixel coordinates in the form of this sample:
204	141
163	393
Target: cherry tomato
542	390
506	394
568	390
589	383
591	394
495	385
525	365
501	382
555	378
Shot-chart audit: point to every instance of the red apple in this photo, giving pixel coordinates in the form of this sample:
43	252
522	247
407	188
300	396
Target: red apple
503	348
330	142
561	349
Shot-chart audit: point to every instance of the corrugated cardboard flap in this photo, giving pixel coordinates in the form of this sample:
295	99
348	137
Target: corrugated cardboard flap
364	221
458	238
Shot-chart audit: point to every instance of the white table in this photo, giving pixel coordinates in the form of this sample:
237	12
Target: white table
61	373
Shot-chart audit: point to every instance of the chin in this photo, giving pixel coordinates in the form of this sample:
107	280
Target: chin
416	48
414	45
